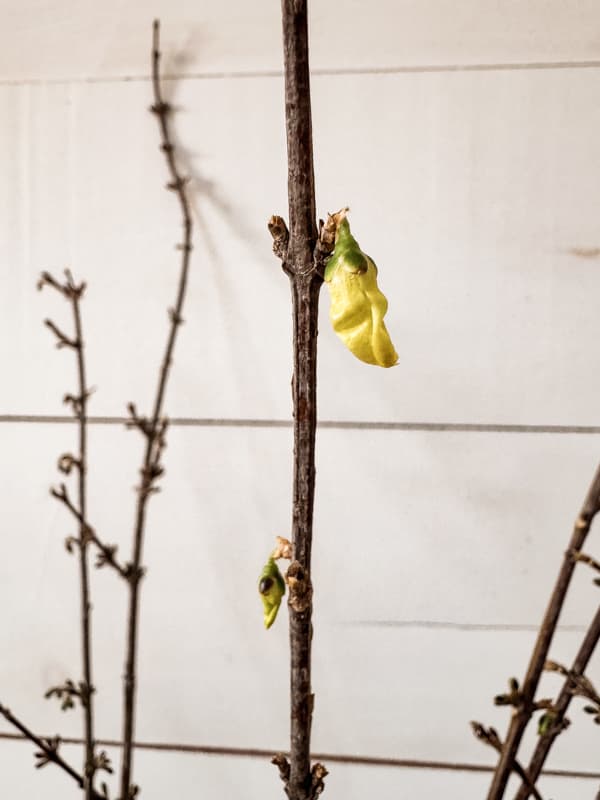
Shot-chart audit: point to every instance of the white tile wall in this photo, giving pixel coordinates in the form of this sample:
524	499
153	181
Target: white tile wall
476	193
67	39
388	635
470	190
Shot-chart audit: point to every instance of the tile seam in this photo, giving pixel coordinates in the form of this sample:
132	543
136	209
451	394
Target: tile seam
317	72
207	422
357	760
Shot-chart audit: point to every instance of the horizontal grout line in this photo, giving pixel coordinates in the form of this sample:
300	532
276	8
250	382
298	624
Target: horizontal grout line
318	72
426	68
458	626
209	422
333	758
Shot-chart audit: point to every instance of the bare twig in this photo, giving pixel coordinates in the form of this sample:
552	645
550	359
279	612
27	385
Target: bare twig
107	552
302	254
74	293
573	678
577	683
63	340
68	288
514	697
490	737
522	715
48	751
86	605
584	558
67	692
154	430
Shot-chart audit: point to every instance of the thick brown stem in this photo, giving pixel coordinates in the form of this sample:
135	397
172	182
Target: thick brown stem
305	294
523	714
305	286
563	701
151	468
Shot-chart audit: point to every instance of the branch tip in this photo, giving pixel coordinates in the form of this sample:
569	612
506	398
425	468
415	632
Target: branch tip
63	339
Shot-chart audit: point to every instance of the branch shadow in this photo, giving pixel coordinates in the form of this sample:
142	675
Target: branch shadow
203	188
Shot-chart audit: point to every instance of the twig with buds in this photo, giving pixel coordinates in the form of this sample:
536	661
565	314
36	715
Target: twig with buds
154	427
73	292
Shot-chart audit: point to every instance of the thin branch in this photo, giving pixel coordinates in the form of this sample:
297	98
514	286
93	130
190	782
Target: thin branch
561	706
68	288
156	429
74	293
107	552
490	737
63	339
48	750
86	606
584	558
522	715
67	692
577	683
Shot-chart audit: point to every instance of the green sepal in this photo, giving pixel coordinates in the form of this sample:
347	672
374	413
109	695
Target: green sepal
347	254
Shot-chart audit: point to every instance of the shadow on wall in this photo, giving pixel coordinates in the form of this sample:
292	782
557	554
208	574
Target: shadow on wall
585	252
176	64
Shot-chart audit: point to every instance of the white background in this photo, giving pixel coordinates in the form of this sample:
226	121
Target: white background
465	136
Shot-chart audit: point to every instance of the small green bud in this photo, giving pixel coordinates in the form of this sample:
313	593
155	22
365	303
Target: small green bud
546	722
271	588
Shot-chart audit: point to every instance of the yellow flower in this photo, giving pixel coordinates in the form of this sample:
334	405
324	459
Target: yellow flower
357	305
